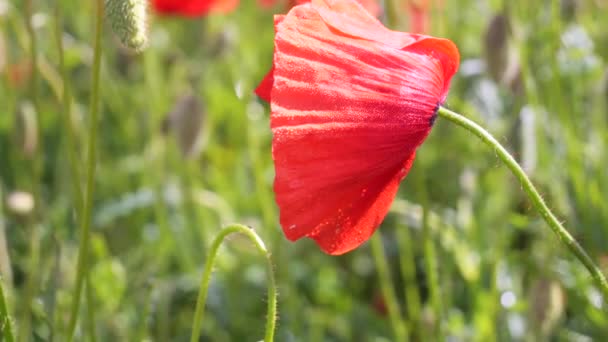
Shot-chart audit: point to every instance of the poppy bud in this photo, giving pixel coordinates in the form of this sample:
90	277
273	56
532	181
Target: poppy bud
547	300
496	46
27	121
3	53
185	122
129	21
569	9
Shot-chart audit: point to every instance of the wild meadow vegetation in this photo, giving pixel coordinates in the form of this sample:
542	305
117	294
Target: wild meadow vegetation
183	148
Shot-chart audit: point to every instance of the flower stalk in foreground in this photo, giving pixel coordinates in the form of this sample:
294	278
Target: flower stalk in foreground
573	246
204	287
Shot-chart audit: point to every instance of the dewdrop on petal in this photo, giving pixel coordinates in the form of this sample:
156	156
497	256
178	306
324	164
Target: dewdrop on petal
129	21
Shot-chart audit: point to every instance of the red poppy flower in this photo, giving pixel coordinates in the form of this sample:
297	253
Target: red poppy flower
350	102
18	74
419	15
193	8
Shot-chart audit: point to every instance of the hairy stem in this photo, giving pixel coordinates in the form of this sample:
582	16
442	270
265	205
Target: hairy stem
564	236
204	287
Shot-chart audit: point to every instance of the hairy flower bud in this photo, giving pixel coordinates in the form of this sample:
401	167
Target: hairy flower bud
129	21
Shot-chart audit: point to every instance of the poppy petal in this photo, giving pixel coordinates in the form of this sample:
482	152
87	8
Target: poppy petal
342	235
350	18
347	115
189	8
265	87
445	51
193	8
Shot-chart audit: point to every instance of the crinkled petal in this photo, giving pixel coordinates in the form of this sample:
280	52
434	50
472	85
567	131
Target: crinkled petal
443	50
350	18
366	213
347	115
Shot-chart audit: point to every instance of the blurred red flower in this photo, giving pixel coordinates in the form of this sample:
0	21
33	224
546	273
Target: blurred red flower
19	74
350	103
419	15
193	8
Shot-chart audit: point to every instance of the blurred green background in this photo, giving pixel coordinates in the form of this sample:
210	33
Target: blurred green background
184	148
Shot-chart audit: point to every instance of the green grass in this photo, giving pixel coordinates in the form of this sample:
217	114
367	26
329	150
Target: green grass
465	254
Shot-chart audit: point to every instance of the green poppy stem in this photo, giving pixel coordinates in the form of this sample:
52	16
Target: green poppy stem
85	214
561	232
204	287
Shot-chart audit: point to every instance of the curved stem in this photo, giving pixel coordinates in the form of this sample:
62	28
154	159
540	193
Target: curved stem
85	217
204	287
534	196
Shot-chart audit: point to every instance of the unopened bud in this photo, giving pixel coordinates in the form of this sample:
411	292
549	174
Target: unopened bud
129	21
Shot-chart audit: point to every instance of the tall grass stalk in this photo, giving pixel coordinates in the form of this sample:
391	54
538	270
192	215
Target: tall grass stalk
388	292
31	283
407	261
66	111
71	151
85	219
29	25
157	159
6	325
432	268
